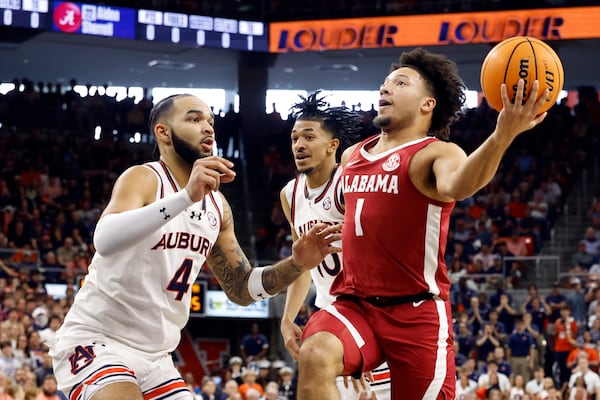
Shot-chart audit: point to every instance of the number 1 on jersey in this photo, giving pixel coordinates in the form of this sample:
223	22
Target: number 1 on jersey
358	230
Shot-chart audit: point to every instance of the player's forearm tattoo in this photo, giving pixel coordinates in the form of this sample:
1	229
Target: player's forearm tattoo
279	276
232	276
232	269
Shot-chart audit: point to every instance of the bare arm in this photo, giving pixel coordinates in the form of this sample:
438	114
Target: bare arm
295	297
458	176
534	333
481	340
346	154
135	188
8	270
232	269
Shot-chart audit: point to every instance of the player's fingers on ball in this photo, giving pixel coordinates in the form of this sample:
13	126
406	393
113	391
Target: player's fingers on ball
533	95
541	102
519	92
540	118
504	95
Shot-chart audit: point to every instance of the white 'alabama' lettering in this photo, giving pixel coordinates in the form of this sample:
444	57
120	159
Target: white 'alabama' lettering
371	183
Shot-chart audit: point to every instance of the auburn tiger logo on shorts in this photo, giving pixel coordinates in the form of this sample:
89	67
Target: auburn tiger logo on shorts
82	357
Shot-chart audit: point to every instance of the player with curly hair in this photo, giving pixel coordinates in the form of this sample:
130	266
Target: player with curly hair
400	187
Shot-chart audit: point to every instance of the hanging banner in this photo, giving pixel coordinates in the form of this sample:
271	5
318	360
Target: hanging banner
434	29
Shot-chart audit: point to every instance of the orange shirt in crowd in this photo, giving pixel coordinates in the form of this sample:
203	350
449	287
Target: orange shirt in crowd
562	343
592	357
245	386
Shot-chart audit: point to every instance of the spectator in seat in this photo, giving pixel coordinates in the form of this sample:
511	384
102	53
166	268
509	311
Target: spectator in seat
581	257
591	380
556	301
516	245
254	345
66	253
592	242
577	303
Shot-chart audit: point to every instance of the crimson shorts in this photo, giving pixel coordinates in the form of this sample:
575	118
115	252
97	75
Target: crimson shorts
414	338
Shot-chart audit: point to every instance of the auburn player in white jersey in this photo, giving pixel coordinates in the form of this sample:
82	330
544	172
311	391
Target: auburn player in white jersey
164	220
399	190
314	196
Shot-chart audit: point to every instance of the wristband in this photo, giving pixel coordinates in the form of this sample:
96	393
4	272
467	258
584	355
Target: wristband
255	286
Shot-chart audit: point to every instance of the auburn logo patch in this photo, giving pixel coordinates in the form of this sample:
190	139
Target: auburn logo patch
82	357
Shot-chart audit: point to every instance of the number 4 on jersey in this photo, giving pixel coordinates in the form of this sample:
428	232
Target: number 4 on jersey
180	281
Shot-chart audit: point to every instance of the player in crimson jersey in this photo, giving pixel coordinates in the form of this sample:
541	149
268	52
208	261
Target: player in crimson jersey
399	189
313	196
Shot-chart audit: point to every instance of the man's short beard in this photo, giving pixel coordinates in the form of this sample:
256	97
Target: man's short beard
381	122
306	171
183	149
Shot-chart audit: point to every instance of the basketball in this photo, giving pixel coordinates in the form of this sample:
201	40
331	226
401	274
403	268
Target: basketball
526	58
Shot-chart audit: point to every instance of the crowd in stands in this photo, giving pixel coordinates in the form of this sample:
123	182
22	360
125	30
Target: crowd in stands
263	380
55	178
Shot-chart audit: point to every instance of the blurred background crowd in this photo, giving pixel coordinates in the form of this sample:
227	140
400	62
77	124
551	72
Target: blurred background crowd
523	254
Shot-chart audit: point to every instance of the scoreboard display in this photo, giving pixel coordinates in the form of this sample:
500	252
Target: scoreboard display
33	14
137	24
198	30
197	302
92	19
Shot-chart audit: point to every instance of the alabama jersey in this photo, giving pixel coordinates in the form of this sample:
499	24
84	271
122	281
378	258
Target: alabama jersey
324	204
143	293
380	201
312	206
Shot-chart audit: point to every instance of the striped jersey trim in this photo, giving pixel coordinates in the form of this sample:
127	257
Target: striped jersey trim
166	390
101	374
162	186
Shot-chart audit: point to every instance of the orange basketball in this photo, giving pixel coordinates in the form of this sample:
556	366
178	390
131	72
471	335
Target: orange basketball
526	58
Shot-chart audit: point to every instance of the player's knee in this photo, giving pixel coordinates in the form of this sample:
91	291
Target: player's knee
320	352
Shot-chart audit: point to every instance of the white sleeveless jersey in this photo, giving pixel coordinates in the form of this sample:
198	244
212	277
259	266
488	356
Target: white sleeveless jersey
308	209
141	296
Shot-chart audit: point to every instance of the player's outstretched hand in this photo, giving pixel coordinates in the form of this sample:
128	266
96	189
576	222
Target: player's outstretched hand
520	116
207	174
291	334
310	249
